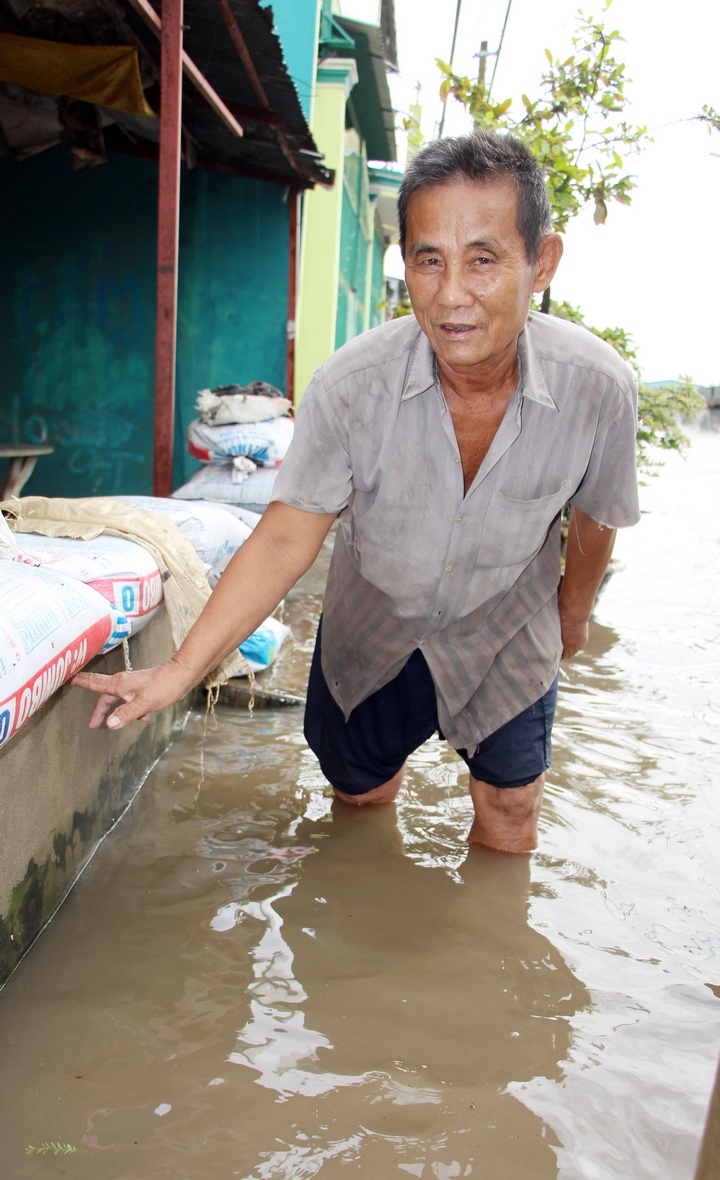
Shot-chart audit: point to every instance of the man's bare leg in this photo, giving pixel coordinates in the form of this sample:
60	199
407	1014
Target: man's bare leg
385	793
506	818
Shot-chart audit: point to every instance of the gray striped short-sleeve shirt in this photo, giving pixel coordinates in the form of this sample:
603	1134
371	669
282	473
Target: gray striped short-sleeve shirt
469	579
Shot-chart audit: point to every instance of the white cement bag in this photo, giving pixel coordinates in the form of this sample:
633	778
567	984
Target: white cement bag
122	571
263	442
50	626
262	647
215	482
122	629
212	531
251	519
8	544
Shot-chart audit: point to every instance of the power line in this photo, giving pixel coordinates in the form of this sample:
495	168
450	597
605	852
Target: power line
484	55
458	6
499	48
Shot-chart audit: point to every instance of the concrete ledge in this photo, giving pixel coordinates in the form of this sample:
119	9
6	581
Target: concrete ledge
63	786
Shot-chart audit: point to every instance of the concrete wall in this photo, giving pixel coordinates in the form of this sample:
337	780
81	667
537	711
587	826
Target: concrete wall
62	787
321	230
78	286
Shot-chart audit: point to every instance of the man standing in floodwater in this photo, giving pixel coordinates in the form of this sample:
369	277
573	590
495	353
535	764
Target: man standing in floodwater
446	445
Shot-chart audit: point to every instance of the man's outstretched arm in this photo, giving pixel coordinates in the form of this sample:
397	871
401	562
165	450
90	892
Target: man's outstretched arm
589	549
281	548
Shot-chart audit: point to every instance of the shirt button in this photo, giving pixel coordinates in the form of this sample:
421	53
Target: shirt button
457	460
458	519
448	569
421	643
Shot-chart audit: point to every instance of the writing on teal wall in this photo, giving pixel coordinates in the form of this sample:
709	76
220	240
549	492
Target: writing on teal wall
77	348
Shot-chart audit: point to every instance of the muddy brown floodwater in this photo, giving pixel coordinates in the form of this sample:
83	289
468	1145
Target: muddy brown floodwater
250	982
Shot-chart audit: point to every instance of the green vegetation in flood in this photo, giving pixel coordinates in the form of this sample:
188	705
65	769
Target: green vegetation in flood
51	1149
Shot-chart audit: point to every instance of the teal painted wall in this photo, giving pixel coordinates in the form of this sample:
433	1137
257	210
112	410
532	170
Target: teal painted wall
78	283
76	344
232	322
297	23
353	251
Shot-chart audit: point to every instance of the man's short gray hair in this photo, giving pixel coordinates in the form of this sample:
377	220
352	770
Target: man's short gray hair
483	156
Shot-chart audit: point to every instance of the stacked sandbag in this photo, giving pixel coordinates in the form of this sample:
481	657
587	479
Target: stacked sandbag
50	626
64	600
241	436
214	532
122	571
262	648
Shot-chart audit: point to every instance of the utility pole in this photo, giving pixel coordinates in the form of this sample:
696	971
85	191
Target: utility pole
481	73
413	124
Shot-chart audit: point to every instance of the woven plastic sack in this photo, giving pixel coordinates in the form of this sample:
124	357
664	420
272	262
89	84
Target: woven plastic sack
186	590
122	571
262	647
8	544
50	626
263	442
215	482
213	532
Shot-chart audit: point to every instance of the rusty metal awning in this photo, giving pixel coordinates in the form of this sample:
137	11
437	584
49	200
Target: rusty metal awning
232	48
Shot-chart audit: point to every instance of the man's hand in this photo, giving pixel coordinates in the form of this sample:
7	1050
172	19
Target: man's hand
145	691
281	548
574	635
589	549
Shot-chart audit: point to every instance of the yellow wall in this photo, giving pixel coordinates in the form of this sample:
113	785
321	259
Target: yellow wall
321	222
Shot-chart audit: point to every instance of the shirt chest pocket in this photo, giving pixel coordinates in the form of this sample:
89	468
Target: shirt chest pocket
514	530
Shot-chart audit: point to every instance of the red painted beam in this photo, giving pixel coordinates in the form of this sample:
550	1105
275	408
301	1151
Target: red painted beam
149	15
168	233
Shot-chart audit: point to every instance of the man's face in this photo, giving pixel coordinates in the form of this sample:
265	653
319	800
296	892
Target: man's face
467	273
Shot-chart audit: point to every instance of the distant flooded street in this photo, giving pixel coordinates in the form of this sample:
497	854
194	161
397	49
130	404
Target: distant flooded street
252	982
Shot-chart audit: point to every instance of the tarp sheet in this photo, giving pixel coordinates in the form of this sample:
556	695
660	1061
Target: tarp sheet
107	75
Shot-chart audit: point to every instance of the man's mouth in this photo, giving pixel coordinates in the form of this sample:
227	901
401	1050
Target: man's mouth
456	330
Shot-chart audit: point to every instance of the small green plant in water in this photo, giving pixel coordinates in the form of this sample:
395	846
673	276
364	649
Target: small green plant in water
51	1149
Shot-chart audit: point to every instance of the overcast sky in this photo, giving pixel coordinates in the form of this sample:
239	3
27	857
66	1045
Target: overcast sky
654	268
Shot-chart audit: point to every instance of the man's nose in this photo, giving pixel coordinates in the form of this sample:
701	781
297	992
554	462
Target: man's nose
455	289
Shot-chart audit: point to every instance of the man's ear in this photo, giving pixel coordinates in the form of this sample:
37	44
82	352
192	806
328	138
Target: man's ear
548	260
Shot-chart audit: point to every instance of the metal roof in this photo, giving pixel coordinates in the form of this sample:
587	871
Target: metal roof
276	143
370	97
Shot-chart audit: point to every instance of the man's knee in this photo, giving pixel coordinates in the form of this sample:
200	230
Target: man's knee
506	818
510	801
385	793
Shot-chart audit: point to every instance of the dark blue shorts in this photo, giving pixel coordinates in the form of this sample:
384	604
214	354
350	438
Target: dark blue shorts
370	747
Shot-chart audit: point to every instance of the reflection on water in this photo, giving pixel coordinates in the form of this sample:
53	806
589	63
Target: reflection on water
251	981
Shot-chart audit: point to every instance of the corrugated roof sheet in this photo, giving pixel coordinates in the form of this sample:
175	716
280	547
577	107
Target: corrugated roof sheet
276	144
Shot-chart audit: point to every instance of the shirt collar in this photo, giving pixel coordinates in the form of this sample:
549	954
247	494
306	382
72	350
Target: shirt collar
421	372
532	378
